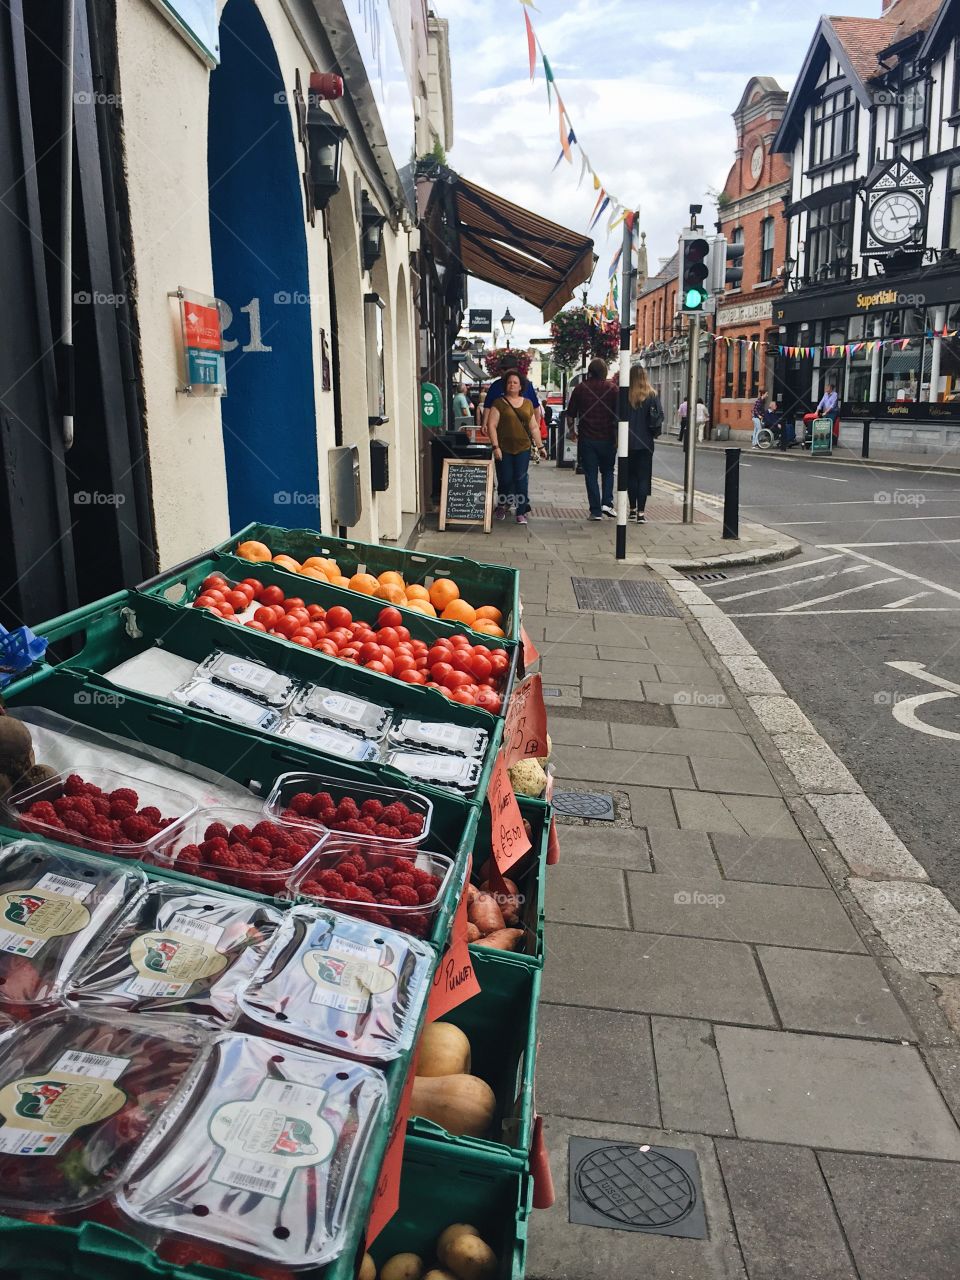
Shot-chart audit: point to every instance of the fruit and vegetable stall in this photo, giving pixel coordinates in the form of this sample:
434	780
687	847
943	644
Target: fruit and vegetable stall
274	831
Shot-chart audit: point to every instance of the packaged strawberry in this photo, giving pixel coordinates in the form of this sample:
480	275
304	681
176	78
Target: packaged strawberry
330	981
53	905
180	952
78	1096
263	1161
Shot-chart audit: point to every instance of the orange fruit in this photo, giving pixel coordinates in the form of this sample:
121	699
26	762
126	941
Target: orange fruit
338	580
365	583
390	592
308	572
416	592
442	592
422	606
253	551
488	611
390	577
460	611
317	562
488	628
287	562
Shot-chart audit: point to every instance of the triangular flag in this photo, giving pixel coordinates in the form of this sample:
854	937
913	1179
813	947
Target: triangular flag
531	43
599	198
564	140
596	182
584	166
615	263
606	201
548	76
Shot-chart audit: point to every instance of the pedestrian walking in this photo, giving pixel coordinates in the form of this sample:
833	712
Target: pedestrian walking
702	419
594	404
461	408
512	426
682	417
644	424
757	414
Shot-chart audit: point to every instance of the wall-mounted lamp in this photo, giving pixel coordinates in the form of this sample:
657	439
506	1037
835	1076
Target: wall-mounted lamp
371	236
324	139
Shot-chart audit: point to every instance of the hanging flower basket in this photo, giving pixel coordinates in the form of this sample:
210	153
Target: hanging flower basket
580	329
501	358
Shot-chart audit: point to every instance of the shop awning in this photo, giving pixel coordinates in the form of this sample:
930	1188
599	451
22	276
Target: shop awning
507	246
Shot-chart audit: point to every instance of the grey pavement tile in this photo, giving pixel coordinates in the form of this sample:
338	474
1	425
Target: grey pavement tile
703	811
692	1093
563	670
560	1250
567	698
688	672
917	922
603	845
708	719
622	690
781	1206
682	694
612	1051
652	807
646	973
534	628
769	860
747	777
900	1216
618	767
620	653
578	629
653	650
577	894
750	815
682	742
834	994
568	649
571	731
741	911
598	669
821	1091
682	853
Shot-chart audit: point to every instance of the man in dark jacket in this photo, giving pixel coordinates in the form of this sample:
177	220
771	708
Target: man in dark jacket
593	407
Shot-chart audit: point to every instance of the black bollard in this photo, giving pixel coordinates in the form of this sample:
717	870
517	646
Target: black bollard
865	443
731	493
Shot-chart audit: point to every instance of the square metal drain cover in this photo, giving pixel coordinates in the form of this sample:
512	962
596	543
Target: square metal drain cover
625	1187
609	595
706	577
552	691
584	804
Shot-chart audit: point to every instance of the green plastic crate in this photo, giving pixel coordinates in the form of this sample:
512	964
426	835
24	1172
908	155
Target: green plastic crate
479	582
501	1025
439	1187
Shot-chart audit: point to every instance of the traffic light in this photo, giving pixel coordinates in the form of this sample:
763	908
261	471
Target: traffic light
734	264
694	272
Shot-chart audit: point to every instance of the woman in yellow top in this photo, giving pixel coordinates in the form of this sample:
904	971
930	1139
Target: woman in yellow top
514	434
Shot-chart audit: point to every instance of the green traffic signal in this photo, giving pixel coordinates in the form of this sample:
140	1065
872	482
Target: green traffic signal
694	300
696	250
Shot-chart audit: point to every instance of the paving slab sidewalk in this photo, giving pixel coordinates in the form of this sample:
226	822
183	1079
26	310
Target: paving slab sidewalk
711	985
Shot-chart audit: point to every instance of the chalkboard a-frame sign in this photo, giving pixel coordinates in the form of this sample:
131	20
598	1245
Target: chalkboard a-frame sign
466	492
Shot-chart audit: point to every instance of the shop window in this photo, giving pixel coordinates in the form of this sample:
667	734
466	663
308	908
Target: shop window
737	239
756	364
767	232
376	382
833	127
728	372
913	100
827	250
956	78
741	371
951	237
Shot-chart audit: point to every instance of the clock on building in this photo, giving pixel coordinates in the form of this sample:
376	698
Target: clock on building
895	213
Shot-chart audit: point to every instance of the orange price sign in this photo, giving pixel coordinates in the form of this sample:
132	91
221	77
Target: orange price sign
386	1194
531	653
553	844
525	725
508	836
455	980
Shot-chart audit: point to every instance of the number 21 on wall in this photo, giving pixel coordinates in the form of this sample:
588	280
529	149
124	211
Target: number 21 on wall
252	309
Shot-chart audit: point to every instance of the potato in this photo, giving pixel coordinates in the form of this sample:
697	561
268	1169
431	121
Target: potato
449	1235
402	1266
368	1269
437	1274
469	1258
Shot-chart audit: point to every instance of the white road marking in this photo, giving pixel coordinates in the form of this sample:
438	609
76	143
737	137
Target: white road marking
788	586
829	613
919	670
793	524
906	711
863	586
911	577
784	568
845	546
896	604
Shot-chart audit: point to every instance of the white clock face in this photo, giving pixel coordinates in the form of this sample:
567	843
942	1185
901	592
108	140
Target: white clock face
756	163
895	217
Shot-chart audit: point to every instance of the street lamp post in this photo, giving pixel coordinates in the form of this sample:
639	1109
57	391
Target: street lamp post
507	321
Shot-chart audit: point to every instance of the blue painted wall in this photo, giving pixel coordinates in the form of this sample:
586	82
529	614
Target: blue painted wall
258	240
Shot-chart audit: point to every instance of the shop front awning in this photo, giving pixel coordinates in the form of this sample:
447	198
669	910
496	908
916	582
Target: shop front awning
507	246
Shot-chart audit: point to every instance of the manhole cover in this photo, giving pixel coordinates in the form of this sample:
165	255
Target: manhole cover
552	691
608	595
584	804
706	577
626	1187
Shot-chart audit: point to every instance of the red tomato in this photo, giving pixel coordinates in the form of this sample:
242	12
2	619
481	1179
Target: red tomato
247	589
440	670
293	602
389	617
301	615
317	612
498	665
499	653
420	646
412	677
339	617
308	630
212	608
215	580
461	660
404	633
255	585
467	696
441	652
460	641
422	664
432	684
287	627
255	625
204	601
271	595
375	666
387	661
303	640
456	680
328	646
350	651
320	627
266	614
369	652
388	637
226	608
216	593
339	635
480	665
488	700
238	600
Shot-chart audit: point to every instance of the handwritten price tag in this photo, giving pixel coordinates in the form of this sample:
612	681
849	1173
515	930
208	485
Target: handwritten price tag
553	844
386	1194
525	726
531	653
455	980
508	837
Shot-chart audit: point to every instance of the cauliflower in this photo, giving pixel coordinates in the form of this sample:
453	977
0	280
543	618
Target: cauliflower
542	760
528	778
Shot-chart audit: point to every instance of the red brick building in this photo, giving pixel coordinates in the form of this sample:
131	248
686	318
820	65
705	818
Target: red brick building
751	211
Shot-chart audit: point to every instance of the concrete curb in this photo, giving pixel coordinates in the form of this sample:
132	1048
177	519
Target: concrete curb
913	919
782	549
877	464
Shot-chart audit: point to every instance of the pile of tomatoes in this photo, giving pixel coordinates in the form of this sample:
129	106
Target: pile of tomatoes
467	673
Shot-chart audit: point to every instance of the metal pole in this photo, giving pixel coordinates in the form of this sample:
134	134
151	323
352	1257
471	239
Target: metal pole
731	493
65	353
865	444
623	430
693	378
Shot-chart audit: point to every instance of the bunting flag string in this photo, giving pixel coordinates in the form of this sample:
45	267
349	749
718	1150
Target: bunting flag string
531	44
832	351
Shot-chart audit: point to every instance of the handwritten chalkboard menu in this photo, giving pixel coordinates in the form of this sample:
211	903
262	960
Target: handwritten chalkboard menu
466	492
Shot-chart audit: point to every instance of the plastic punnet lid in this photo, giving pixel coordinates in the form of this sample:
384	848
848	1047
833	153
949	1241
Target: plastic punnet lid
360	810
324	737
333	982
53	905
462	772
177	951
78	1095
436	735
343	710
266	1159
208	696
254	679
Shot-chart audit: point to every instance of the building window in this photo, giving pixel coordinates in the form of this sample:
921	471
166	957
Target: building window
766	254
755	366
737	239
728	372
741	370
951	239
956	79
834	122
827	250
913	100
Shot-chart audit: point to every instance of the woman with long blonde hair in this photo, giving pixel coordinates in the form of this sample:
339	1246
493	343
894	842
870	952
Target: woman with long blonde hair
645	424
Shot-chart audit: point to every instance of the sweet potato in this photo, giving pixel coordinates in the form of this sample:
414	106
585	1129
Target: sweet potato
502	939
472	892
508	899
485	913
473	933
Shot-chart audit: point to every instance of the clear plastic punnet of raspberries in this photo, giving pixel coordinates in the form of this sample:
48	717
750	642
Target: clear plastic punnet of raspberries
240	848
375	882
362	811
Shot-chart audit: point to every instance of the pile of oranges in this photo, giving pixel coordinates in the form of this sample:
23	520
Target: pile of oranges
441	599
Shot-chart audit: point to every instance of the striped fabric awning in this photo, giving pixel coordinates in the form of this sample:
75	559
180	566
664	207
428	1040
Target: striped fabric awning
519	251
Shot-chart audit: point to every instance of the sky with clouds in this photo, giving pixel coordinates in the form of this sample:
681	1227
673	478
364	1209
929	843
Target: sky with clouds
649	85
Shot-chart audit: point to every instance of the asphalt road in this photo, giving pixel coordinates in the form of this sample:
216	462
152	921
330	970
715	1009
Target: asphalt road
877	583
